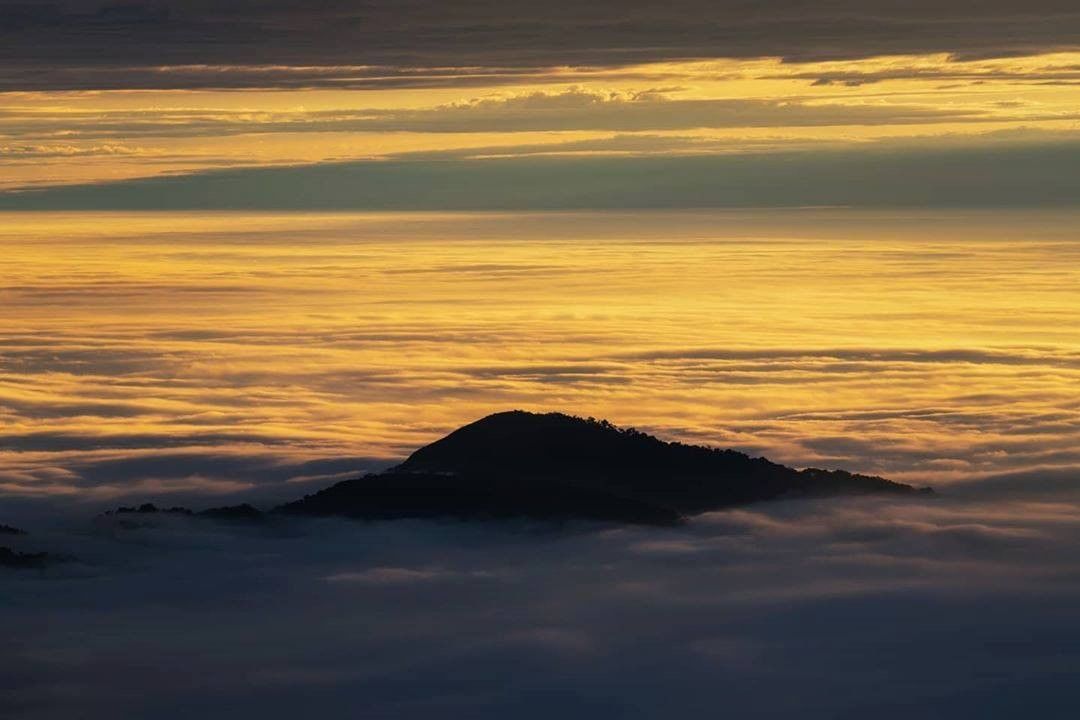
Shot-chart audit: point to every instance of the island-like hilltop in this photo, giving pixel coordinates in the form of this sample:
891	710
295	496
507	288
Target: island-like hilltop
555	466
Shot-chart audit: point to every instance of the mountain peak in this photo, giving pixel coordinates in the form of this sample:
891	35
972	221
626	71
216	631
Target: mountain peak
544	440
554	465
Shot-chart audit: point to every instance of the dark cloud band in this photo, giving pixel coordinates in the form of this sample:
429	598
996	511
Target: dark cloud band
81	43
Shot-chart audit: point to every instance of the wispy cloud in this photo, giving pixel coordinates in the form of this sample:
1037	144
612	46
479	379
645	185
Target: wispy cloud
697	106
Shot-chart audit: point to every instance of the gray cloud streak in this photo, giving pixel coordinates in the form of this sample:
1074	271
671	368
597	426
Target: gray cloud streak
1033	175
90	43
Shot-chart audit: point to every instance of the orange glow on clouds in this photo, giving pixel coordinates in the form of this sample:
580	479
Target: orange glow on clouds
724	105
925	346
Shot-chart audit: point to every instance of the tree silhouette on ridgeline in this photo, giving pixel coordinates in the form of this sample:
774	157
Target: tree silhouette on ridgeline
29	560
556	466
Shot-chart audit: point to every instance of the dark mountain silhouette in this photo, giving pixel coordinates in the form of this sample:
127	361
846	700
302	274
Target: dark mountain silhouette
28	560
244	513
8	530
149	509
554	466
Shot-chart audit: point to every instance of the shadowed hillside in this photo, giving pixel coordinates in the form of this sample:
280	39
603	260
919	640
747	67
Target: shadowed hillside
554	466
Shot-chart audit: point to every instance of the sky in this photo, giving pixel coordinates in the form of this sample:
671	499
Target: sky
511	105
251	248
364	223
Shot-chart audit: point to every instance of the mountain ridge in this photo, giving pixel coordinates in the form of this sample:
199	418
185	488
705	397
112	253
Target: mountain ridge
558	466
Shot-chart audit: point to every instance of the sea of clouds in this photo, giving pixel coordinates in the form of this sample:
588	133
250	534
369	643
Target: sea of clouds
958	606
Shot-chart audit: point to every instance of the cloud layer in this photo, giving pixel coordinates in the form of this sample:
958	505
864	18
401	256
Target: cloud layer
184	355
944	608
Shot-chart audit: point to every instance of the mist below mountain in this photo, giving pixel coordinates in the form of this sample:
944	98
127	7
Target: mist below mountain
797	608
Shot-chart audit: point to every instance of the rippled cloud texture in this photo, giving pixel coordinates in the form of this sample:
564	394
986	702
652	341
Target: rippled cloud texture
947	608
254	355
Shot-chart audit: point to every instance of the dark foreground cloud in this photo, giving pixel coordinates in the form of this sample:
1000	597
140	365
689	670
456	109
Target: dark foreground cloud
941	609
65	43
993	176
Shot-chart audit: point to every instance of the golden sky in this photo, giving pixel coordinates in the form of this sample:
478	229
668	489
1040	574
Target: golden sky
671	108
